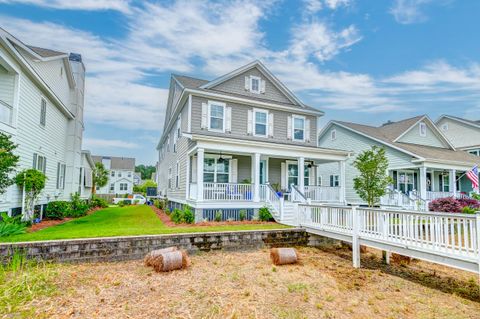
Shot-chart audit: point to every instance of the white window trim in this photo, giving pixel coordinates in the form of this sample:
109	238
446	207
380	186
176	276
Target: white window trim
333	135
255	122
420	126
222	104
216	157
252	77
294	116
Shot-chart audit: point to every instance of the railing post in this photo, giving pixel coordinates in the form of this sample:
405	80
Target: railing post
385	229
355	238
477	215
200	164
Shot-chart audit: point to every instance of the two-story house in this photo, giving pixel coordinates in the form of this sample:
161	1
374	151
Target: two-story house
41	108
464	134
239	142
121	174
423	163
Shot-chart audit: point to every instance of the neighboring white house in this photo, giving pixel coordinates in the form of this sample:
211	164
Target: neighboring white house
137	179
231	143
463	134
423	163
121	171
41	107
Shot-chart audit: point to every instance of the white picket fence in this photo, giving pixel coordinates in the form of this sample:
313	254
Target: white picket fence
445	238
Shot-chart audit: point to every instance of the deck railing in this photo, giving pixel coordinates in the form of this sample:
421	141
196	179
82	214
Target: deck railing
296	194
6	111
274	201
395	198
227	192
447	238
322	193
436	195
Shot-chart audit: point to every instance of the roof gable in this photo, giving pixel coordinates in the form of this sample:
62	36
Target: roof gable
236	80
433	136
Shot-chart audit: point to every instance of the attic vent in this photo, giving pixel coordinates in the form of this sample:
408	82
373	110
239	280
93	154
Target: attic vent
388	123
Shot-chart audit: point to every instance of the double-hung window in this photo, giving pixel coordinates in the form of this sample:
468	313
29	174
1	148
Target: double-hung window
298	128
40	163
261	125
254	84
43	112
112	173
177	175
216	170
112	188
216	116
119	174
123	186
334	181
61	176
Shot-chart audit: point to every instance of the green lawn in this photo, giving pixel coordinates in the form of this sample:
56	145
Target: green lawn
122	221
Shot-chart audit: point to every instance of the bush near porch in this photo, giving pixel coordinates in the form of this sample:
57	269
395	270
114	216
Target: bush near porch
454	205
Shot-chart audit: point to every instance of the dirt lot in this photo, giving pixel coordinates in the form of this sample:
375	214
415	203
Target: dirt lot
246	285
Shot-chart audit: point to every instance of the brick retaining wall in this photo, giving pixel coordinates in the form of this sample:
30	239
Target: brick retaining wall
136	247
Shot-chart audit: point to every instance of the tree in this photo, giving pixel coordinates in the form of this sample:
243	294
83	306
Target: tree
145	171
143	188
33	182
373	180
8	162
100	176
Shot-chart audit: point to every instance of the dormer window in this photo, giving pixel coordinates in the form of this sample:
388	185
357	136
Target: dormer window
423	129
254	84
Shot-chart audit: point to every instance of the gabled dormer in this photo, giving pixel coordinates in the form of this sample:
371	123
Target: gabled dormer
424	132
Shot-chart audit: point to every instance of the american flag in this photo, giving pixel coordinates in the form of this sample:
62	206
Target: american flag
473	176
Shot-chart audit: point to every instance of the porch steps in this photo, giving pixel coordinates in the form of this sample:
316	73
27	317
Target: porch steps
289	214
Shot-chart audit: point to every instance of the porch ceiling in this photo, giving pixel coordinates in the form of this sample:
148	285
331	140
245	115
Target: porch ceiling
243	147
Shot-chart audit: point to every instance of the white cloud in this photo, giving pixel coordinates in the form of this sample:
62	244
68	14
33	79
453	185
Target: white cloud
88	5
409	11
314	6
98	143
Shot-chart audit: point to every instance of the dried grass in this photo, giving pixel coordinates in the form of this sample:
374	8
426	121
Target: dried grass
245	285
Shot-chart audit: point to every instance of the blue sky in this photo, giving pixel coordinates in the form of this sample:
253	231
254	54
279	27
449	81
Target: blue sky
363	61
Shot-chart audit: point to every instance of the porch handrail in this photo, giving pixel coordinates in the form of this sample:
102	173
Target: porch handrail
297	195
275	202
322	193
227	191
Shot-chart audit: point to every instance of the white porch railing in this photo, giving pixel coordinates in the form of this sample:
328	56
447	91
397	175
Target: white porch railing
395	198
322	193
273	200
227	192
445	238
296	195
436	195
6	111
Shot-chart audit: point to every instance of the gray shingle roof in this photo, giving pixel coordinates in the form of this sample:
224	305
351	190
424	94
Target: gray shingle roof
117	162
389	132
45	53
190	82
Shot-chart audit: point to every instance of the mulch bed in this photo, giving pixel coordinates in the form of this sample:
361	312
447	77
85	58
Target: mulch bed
45	223
169	223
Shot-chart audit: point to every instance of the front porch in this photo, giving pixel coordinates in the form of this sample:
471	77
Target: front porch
415	187
222	176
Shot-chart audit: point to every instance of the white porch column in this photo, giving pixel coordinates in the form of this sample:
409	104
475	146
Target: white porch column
256	177
453	181
343	179
301	173
423	182
200	160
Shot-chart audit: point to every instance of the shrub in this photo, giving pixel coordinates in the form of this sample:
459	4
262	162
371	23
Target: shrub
98	202
57	209
177	216
447	204
469	210
264	214
11	229
78	207
453	205
476	196
160	204
218	216
243	214
121	203
188	215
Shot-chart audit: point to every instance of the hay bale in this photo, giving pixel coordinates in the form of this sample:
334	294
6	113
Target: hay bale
283	256
169	261
154	253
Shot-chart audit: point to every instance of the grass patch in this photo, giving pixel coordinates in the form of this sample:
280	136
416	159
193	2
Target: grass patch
123	221
21	282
